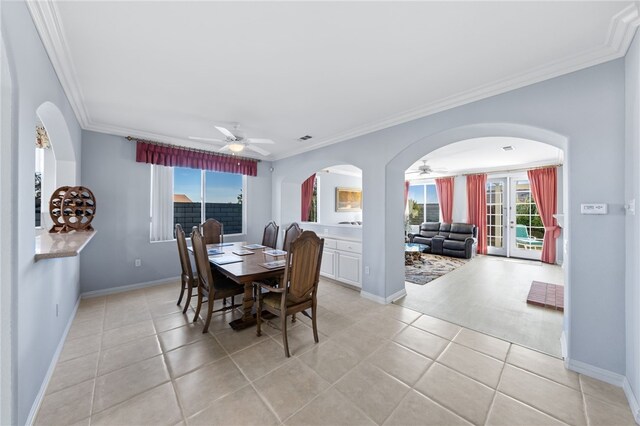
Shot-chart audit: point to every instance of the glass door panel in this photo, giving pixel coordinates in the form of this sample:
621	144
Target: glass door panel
526	229
496	212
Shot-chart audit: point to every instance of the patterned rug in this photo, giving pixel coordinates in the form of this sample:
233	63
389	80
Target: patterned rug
432	266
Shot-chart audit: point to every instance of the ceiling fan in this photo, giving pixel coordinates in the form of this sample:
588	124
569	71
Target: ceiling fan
425	169
235	141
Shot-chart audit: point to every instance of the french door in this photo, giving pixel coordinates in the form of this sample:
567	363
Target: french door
514	228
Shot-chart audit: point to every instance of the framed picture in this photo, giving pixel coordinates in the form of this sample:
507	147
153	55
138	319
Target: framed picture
348	199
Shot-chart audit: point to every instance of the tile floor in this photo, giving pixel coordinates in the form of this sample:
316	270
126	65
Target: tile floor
488	294
133	358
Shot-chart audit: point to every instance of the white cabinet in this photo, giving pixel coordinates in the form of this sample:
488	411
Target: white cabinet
341	261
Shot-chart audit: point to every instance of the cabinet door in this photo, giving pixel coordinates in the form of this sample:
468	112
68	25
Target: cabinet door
327	268
349	269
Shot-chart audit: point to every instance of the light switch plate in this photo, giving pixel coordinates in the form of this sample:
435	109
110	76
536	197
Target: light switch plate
594	208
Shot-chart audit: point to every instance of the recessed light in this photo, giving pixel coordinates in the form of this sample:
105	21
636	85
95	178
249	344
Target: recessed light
508	148
305	137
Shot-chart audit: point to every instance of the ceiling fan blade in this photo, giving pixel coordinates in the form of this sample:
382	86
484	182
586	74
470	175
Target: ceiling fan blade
226	132
224	148
259	140
196	138
258	150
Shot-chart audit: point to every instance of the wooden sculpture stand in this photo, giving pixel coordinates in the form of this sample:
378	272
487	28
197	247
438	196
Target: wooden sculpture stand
72	208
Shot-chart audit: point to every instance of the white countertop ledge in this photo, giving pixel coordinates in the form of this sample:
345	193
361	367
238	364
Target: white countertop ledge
52	246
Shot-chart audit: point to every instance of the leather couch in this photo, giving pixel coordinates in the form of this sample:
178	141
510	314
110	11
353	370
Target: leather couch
450	239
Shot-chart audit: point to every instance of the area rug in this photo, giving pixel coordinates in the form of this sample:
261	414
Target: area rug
546	295
430	267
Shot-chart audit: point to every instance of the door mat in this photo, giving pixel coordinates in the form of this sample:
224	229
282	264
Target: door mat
547	295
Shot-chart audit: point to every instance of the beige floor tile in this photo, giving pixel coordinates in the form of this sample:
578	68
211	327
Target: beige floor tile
219	321
362	344
332	322
158	406
171	321
243	407
457	392
437	326
273	327
66	406
330	408
382	327
122	384
92	313
118	336
509	412
549	397
300	340
83	422
198	389
193	356
480	367
258	360
330	360
400	362
173	339
542	365
85	328
422	342
482	343
125	317
92	302
74	371
372	390
603	391
79	347
399	313
600	413
165	292
290	387
234	341
127	354
160	309
416	409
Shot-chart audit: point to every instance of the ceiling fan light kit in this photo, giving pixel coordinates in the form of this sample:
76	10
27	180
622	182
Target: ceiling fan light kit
236	142
236	147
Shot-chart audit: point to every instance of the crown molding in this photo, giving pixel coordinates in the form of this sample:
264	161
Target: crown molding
619	37
46	19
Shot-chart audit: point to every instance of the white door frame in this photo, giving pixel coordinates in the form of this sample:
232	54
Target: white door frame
504	250
7	244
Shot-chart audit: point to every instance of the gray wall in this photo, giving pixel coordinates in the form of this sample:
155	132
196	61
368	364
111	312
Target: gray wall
583	113
43	284
327	197
632	191
123	192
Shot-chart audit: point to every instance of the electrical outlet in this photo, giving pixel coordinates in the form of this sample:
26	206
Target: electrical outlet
366	270
138	263
325	231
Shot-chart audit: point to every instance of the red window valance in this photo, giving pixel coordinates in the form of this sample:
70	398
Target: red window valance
173	156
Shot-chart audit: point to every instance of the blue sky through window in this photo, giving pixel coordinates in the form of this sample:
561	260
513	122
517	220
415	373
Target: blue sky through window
220	187
416	192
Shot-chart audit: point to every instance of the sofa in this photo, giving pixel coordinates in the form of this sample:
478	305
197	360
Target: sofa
449	239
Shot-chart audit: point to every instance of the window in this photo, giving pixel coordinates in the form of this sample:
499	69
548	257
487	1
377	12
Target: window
423	204
199	195
527	213
495	213
313	211
38	183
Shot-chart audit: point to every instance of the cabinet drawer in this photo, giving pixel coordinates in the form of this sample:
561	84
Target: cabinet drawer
329	243
350	246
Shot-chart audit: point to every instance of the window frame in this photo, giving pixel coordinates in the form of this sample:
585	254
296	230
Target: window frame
424	185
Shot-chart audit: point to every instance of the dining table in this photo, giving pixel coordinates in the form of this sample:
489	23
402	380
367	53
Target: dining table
244	269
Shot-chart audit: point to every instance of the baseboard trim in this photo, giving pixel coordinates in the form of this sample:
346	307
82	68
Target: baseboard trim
114	290
384	300
52	366
596	372
634	404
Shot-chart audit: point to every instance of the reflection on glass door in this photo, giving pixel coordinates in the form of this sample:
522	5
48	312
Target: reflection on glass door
496	223
526	225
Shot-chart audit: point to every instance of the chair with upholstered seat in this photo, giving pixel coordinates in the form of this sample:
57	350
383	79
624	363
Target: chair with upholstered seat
212	231
188	280
270	235
299	288
214	286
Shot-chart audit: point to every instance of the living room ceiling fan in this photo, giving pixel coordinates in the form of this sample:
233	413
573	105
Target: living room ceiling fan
235	141
425	169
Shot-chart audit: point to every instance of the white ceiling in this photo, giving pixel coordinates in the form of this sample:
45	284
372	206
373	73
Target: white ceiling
168	70
486	155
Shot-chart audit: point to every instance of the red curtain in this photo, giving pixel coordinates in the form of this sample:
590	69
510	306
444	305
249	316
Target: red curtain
477	207
406	193
174	156
307	195
444	186
544	190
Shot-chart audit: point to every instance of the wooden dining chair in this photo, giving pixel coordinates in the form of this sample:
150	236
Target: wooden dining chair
188	280
293	231
270	235
212	231
214	286
299	287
